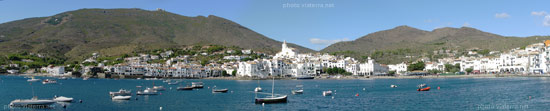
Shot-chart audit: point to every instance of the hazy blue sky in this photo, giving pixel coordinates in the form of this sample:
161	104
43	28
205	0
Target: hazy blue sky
318	23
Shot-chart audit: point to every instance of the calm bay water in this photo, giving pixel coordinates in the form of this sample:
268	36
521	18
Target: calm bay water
455	94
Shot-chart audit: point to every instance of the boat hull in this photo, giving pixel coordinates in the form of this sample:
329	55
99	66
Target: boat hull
185	88
306	77
22	103
424	89
220	90
271	100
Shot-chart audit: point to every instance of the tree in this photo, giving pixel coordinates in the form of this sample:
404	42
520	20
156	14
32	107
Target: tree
416	66
224	73
234	73
468	70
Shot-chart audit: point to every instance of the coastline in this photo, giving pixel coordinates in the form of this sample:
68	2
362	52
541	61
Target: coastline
326	78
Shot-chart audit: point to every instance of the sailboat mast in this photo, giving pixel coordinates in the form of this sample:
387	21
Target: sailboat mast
273	86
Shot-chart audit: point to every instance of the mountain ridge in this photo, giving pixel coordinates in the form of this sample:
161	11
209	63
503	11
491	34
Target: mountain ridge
76	34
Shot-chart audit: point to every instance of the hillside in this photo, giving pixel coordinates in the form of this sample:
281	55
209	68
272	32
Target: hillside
394	45
76	34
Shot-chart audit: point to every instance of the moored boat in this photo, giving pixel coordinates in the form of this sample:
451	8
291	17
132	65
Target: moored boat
147	91
258	89
121	92
49	81
305	77
327	93
271	99
121	97
197	84
62	99
274	98
185	88
423	87
31	102
298	91
33	79
393	86
219	90
159	88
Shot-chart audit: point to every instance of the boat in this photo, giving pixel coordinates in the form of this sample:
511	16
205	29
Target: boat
423	87
147	91
393	86
31	102
173	83
159	88
62	99
121	92
121	97
197	84
305	77
271	99
33	79
49	81
185	88
258	89
327	93
219	90
298	91
85	78
63	78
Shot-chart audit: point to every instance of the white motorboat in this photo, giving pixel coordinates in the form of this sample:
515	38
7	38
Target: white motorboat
62	99
148	91
393	86
197	84
121	92
63	78
298	91
258	89
159	88
173	83
85	78
49	81
327	93
121	97
31	102
33	79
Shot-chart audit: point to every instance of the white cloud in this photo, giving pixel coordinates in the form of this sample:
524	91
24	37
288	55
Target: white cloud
502	15
318	41
546	21
541	13
466	24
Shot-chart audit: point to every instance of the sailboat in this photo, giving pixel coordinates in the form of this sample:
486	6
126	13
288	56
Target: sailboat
273	98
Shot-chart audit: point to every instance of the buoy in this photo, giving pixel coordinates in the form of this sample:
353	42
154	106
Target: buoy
136	98
332	97
80	101
263	104
64	106
529	97
357	94
364	89
160	108
438	88
160	93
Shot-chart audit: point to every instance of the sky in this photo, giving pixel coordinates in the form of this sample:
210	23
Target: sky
318	23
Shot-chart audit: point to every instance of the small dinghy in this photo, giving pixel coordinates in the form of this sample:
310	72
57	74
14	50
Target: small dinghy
327	93
121	97
62	99
423	87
